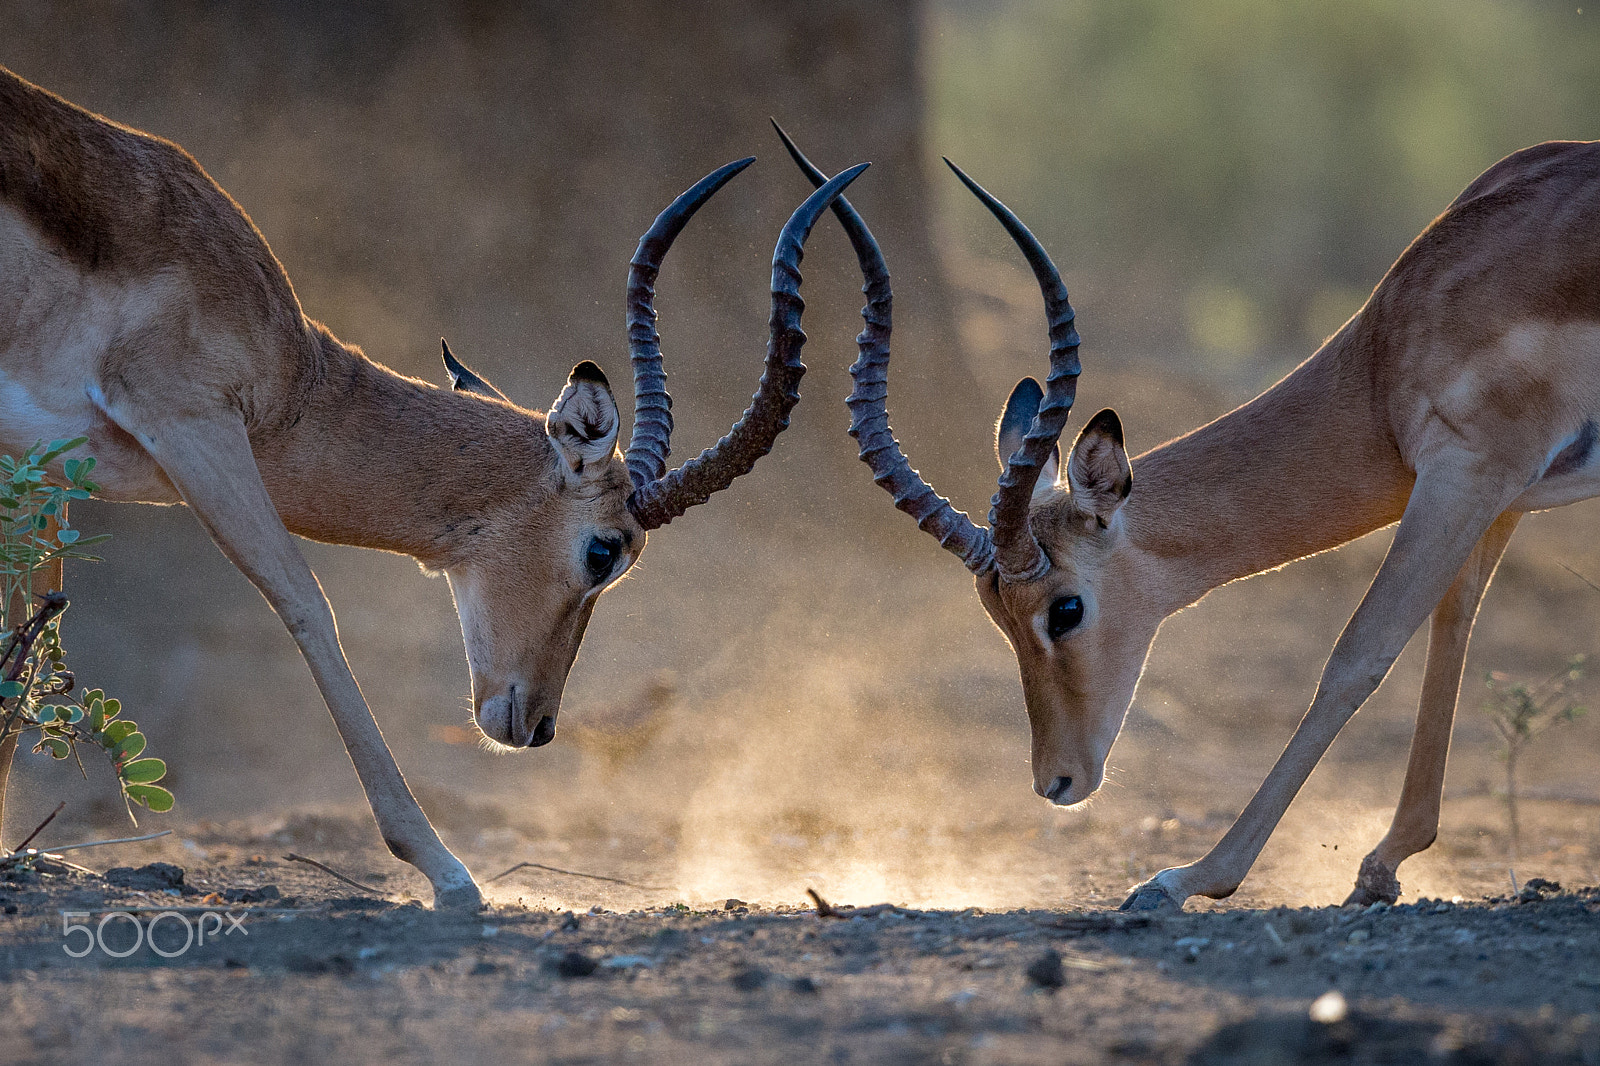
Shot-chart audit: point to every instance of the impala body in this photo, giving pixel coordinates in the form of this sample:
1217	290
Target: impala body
1465	393
141	308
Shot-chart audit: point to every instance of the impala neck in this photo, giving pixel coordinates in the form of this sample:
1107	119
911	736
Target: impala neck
377	460
1304	467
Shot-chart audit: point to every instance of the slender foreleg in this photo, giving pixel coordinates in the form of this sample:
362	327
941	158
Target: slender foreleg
1455	500
210	462
1416	817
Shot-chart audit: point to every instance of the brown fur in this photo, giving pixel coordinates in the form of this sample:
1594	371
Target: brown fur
141	307
1441	404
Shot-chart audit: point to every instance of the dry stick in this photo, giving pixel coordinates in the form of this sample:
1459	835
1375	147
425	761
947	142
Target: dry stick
574	873
325	868
40	828
19	855
828	910
100	843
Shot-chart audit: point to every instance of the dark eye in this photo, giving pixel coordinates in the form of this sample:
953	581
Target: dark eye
601	557
1065	616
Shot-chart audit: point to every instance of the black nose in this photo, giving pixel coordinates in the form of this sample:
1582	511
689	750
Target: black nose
543	733
1058	788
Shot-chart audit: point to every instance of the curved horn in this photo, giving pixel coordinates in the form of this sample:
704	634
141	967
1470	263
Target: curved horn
652	407
869	417
657	502
1016	551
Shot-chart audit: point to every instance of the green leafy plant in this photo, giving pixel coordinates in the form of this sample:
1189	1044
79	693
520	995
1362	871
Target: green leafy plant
36	687
1521	712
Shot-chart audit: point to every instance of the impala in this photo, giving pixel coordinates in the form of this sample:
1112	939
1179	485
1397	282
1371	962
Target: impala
141	308
1464	394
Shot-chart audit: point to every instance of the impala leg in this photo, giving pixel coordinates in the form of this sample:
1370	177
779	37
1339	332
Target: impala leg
1451	507
1416	818
213	468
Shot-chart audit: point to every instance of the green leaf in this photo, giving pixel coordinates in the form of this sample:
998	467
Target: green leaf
154	797
55	746
117	732
11	688
143	771
70	468
62	445
67	536
97	717
76	494
114	708
130	746
70	715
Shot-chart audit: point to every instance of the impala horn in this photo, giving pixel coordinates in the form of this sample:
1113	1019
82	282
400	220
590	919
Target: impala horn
658	497
1011	547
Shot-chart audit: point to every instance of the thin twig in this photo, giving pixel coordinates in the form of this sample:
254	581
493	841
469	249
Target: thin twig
325	868
1580	577
828	910
48	819
574	873
824	908
100	843
21	856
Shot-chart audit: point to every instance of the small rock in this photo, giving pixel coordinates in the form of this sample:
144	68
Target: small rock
750	979
576	964
250	895
804	986
483	969
1046	971
628	962
157	876
1359	936
1330	1008
734	904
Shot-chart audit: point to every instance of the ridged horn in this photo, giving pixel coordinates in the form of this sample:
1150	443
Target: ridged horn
1016	551
657	502
652	406
869	417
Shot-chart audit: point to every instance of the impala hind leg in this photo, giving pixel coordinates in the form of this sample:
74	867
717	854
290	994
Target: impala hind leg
1452	505
1416	817
211	464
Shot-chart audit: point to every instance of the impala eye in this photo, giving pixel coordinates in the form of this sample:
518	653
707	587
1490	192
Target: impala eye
601	557
1065	615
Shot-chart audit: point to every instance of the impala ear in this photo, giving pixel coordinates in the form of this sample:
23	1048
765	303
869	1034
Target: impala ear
583	421
1015	420
1098	471
464	380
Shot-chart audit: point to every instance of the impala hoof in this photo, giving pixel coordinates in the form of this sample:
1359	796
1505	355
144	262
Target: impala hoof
460	898
1151	897
1374	884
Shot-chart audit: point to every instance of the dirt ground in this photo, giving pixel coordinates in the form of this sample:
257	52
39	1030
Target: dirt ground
569	969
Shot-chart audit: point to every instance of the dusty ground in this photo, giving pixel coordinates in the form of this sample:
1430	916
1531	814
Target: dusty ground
320	972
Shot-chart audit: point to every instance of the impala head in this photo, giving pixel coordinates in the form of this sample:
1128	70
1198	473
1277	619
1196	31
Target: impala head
539	557
1054	570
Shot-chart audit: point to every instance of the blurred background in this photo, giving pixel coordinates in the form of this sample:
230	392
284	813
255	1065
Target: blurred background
795	686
